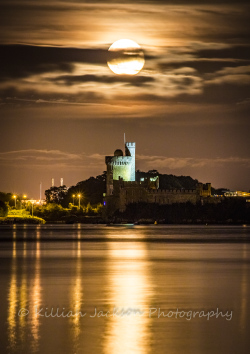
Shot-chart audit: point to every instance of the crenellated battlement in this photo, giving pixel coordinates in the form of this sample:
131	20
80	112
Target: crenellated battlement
172	191
118	160
132	145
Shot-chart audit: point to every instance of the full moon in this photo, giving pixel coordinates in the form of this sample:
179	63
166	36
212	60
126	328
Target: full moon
126	57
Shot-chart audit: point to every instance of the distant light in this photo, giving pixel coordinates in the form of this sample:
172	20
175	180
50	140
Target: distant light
14	196
79	195
104	203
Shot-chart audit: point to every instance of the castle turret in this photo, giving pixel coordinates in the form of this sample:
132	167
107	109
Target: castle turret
130	151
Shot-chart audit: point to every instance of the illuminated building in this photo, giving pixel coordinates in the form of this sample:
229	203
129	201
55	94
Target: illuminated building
236	194
120	167
123	189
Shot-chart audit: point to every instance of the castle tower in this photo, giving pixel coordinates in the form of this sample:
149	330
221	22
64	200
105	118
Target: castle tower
130	151
120	166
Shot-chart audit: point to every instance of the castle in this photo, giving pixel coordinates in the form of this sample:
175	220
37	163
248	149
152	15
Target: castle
123	189
120	167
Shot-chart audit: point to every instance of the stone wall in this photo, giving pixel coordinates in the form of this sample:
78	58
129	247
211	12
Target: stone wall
172	196
133	192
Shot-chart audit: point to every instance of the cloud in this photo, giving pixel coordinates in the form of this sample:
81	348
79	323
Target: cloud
16	96
236	76
179	163
71	75
97	157
203	66
161	2
78	79
19	61
49	159
205	58
231	51
39	155
52	159
70	3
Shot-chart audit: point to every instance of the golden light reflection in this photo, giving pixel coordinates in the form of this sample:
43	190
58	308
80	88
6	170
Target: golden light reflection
36	298
24	249
23	293
12	301
79	248
14	250
22	303
130	288
38	233
14	232
18	297
244	290
77	295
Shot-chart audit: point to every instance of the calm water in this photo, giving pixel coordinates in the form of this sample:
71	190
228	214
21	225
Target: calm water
127	279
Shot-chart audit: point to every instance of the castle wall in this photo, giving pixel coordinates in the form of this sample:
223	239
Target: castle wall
117	167
122	168
172	196
132	192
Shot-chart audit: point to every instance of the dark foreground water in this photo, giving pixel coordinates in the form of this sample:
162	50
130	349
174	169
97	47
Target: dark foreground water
97	289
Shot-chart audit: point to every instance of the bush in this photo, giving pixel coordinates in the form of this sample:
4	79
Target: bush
3	209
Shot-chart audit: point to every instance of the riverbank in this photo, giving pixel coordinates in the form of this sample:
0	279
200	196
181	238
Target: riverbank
21	220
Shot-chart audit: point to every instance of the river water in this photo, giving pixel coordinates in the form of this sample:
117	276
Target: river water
125	289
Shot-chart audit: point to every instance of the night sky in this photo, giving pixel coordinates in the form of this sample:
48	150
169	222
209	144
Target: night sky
62	109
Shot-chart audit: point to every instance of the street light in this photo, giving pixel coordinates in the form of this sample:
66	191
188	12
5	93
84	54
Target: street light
14	196
79	196
73	199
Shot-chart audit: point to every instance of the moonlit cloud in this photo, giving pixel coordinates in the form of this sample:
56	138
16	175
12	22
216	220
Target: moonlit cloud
178	163
49	159
42	155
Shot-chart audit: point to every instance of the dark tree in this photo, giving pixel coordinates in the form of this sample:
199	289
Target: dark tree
56	194
91	191
5	197
3	209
